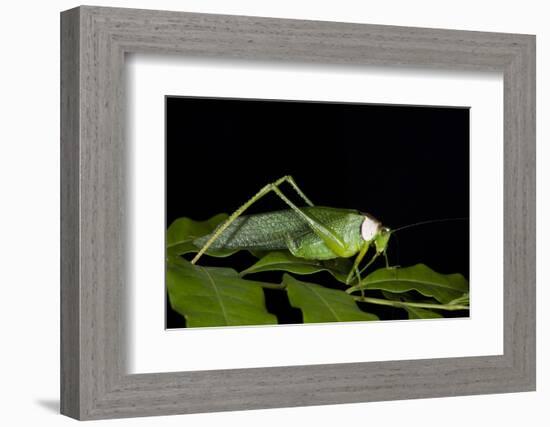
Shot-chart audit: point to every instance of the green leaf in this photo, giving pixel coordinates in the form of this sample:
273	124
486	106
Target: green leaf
462	300
284	261
443	287
182	232
410	296
422	313
413	312
210	296
320	304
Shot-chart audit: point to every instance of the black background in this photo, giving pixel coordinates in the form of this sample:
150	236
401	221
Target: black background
402	164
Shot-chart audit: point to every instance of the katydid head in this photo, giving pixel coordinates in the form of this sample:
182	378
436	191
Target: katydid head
373	230
382	239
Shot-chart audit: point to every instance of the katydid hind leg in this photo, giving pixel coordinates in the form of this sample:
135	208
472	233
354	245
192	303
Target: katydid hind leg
328	237
263	191
300	193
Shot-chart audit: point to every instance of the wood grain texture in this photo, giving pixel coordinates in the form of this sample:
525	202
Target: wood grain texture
70	291
94	382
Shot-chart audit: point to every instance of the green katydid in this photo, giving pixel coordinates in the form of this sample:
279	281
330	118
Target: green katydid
311	232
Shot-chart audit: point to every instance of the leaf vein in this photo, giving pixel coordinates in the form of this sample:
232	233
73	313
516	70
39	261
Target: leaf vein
326	303
217	294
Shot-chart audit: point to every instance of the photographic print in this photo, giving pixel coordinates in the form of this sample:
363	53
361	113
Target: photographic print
296	212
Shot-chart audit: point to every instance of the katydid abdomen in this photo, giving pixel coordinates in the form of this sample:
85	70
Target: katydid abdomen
286	230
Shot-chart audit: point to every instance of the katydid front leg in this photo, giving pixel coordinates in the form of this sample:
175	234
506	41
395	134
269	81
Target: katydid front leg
332	241
374	257
358	273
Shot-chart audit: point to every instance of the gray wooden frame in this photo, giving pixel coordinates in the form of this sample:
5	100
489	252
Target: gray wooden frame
94	41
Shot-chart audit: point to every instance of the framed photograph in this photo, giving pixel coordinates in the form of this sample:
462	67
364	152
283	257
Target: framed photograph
326	148
263	213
